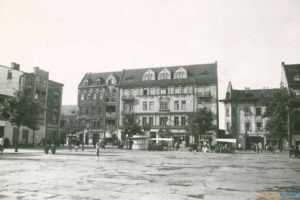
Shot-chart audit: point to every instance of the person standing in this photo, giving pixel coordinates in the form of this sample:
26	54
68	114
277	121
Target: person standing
1	145
98	146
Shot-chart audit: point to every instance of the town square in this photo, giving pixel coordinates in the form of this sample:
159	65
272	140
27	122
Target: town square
125	174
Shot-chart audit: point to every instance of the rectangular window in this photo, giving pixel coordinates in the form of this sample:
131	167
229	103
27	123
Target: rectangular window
88	96
247	126
227	112
152	91
176	121
227	126
145	92
86	110
151	105
144	120
94	110
163	90
151	121
145	105
183	105
183	121
9	75
163	121
247	111
82	97
94	96
297	92
81	110
164	105
177	90
99	110
258	111
258	126
176	105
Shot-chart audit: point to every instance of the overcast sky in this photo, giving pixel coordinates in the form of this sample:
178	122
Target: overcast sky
69	38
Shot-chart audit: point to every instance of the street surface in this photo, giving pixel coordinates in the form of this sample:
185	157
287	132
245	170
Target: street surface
123	174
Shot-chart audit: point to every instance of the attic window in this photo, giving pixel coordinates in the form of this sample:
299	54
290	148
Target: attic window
86	82
297	77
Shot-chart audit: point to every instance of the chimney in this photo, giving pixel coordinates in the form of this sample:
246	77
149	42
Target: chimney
15	66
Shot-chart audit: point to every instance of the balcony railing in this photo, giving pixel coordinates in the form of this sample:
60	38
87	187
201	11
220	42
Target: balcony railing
128	98
112	115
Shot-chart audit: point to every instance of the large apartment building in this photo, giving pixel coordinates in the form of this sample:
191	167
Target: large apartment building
244	116
160	97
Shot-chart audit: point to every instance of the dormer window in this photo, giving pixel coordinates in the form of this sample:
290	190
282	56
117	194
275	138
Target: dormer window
180	73
86	82
111	80
98	81
165	74
149	75
297	77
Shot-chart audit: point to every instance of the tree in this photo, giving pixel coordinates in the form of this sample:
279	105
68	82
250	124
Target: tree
131	126
22	110
279	107
200	123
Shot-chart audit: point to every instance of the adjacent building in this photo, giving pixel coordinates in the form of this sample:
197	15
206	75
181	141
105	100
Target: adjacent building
47	92
291	79
98	106
244	116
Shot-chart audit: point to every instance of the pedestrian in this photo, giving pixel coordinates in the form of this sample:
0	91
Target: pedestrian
1	145
98	149
130	144
259	147
76	144
70	143
177	146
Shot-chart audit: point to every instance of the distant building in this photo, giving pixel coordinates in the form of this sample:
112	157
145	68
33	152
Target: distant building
68	122
98	106
49	94
243	116
291	79
164	97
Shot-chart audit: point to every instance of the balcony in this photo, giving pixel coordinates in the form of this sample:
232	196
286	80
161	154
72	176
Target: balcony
205	95
127	112
128	98
111	115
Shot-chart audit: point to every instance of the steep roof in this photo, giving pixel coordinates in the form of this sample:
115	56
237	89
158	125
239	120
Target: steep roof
290	71
92	77
200	73
248	95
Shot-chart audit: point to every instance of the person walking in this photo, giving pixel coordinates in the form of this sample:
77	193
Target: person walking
98	146
259	147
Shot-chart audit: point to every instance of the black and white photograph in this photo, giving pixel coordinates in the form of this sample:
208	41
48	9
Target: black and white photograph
150	99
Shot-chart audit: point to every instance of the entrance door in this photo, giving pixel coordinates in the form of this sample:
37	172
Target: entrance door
1	131
24	137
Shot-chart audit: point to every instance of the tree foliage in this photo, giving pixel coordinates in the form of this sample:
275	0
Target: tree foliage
200	123
22	110
131	126
278	106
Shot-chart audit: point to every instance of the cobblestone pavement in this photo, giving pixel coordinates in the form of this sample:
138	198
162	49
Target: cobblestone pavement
123	174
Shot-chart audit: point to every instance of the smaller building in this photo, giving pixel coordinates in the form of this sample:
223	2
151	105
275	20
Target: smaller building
244	116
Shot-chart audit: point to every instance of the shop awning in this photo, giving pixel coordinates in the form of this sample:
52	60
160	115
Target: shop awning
226	140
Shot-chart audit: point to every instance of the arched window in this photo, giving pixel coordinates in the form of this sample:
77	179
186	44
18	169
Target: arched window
98	81
165	74
180	73
111	80
149	75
